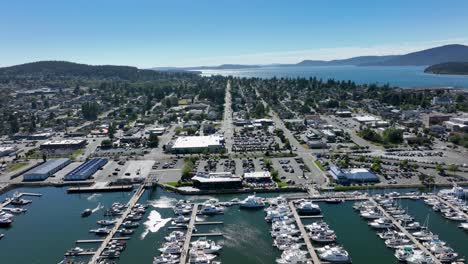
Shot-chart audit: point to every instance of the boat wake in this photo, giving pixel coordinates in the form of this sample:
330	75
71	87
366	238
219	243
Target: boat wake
154	223
163	202
98	207
94	196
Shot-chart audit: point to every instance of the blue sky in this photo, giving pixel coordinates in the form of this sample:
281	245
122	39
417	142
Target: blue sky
209	32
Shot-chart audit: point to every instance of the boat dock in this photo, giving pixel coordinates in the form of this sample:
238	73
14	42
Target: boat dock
310	216
449	204
209	223
188	235
117	225
8	201
403	230
99	240
305	236
99	188
206	234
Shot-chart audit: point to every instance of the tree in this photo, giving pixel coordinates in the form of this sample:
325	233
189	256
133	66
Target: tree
452	168
106	143
393	135
111	131
153	141
268	164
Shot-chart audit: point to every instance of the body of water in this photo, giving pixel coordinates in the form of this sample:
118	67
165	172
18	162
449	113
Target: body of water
402	76
53	223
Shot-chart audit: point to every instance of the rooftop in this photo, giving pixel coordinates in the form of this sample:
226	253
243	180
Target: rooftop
197	141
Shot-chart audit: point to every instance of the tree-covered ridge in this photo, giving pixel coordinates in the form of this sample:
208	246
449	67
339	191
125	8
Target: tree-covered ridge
460	68
62	70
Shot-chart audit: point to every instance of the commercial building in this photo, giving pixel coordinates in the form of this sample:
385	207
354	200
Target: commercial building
359	175
46	169
435	119
5	151
63	145
196	144
457	124
441	100
343	113
257	177
156	131
217	180
364	119
85	170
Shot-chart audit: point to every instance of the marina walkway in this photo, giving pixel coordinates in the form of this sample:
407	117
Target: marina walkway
403	230
305	236
449	204
117	225
188	235
8	201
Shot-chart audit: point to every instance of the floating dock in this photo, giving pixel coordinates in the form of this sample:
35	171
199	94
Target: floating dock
8	201
99	240
305	236
403	230
117	225
89	189
188	235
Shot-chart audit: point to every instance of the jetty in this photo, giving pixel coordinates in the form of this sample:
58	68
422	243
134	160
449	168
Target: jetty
131	203
20	195
305	236
404	231
188	235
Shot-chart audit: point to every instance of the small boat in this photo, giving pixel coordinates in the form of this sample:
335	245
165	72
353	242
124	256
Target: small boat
5	222
100	231
125	231
308	208
86	212
335	255
333	201
464	226
74	251
106	222
129	224
1	236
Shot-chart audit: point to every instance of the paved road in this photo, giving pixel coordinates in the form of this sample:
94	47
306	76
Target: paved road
227	126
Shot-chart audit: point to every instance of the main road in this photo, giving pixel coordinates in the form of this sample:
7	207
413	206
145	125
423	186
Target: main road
227	126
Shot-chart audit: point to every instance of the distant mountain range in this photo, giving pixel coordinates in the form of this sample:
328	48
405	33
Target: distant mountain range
447	53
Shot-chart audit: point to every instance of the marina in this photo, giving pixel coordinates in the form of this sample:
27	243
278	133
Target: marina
220	227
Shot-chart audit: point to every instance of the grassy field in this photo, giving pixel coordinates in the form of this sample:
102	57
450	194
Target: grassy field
16	166
317	163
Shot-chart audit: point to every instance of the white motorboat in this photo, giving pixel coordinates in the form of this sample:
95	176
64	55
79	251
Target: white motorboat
171	248
166	259
323	237
335	255
404	252
100	231
106	222
464	226
372	215
175	236
180	219
308	208
396	242
198	257
382	223
419	257
211	209
207	246
252	202
293	256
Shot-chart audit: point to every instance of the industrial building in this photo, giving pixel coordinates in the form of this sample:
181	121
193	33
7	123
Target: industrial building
85	170
216	180
5	151
46	169
196	144
359	175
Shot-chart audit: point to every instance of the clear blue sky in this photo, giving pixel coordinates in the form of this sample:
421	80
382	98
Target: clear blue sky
208	32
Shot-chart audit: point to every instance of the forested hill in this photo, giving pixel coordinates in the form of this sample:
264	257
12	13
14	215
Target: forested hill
68	70
460	68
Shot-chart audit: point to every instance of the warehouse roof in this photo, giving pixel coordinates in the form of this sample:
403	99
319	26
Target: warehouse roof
64	142
197	142
366	118
49	165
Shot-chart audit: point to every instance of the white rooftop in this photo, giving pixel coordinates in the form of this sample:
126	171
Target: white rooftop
64	142
197	142
366	118
257	174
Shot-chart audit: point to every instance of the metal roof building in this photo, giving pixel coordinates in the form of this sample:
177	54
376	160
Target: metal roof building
46	169
359	175
85	170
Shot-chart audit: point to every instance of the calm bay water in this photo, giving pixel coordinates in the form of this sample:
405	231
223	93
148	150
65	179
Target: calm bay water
53	223
407	76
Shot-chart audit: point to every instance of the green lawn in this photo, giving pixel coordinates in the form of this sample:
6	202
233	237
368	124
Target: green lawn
17	166
317	163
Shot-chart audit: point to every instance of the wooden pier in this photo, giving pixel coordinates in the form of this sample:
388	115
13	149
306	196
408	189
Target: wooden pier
310	216
81	241
305	236
188	235
207	234
403	230
117	225
8	201
209	223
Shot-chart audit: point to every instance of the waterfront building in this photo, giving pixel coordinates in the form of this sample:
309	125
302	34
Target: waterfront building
85	170
46	169
217	180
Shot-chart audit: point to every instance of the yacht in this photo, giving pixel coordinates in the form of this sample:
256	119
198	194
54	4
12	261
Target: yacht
207	246
15	210
125	231
5	222
308	208
106	222
335	255
166	259
382	223
413	226
16	200
130	224
464	226
198	257
210	209
387	234
171	248
100	231
181	219
447	256
252	202
86	212
333	201
293	256
372	215
74	251
396	242
323	238
175	236
419	257
403	253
